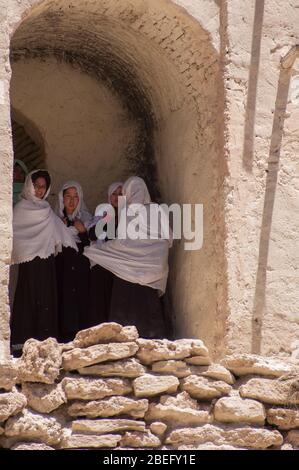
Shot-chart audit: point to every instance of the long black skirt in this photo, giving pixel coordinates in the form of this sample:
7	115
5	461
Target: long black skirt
100	295
73	286
34	313
133	304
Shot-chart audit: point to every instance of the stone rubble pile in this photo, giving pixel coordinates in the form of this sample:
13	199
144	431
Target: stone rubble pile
110	389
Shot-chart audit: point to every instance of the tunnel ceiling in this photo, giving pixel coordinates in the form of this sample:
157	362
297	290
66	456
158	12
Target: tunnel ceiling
149	57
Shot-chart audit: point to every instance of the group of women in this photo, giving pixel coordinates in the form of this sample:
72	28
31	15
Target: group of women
68	280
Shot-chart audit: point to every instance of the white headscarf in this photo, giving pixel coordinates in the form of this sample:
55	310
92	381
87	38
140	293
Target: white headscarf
142	262
81	212
37	231
113	187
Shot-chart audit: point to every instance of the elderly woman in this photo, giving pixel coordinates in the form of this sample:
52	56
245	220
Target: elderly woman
72	268
139	264
38	234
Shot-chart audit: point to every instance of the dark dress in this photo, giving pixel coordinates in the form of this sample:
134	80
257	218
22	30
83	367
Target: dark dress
133	304
34	312
101	289
73	287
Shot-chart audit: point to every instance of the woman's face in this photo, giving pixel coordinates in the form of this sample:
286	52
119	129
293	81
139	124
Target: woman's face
114	196
70	200
40	187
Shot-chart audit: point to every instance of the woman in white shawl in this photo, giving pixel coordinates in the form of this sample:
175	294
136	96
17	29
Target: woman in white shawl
140	265
102	279
72	268
38	235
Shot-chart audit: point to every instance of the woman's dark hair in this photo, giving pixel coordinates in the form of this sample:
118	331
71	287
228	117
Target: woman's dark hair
41	174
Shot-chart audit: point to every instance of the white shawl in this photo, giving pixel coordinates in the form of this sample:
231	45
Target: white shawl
141	261
37	231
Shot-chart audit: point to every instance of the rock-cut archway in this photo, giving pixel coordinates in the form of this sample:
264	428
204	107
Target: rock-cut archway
117	88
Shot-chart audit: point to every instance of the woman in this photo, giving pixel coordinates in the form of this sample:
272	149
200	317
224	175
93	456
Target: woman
140	265
38	234
19	174
72	268
102	279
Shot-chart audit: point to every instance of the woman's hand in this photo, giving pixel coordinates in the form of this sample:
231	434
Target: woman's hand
79	226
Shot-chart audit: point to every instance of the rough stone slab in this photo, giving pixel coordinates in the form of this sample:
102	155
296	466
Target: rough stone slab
177	368
106	426
214	371
275	392
40	362
163	350
35	427
150	385
77	358
110	407
8	375
246	364
44	398
158	428
136	439
283	418
248	437
1	432
11	403
31	446
130	368
293	437
89	441
209	446
87	388
198	361
204	388
238	410
105	333
179	409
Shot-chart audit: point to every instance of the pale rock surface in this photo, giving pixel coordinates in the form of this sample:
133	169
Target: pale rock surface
214	371
255	438
110	407
11	403
33	426
44	398
179	409
31	446
136	439
163	350
177	368
204	388
77	358
246	364
150	385
283	418
130	368
293	437
8	375
40	362
158	428
275	392
238	410
198	361
106	426
87	388
84	441
105	333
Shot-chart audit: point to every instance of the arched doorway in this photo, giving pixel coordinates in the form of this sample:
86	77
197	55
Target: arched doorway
117	89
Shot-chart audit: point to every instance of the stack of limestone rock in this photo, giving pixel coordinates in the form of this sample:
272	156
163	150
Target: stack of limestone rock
111	389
